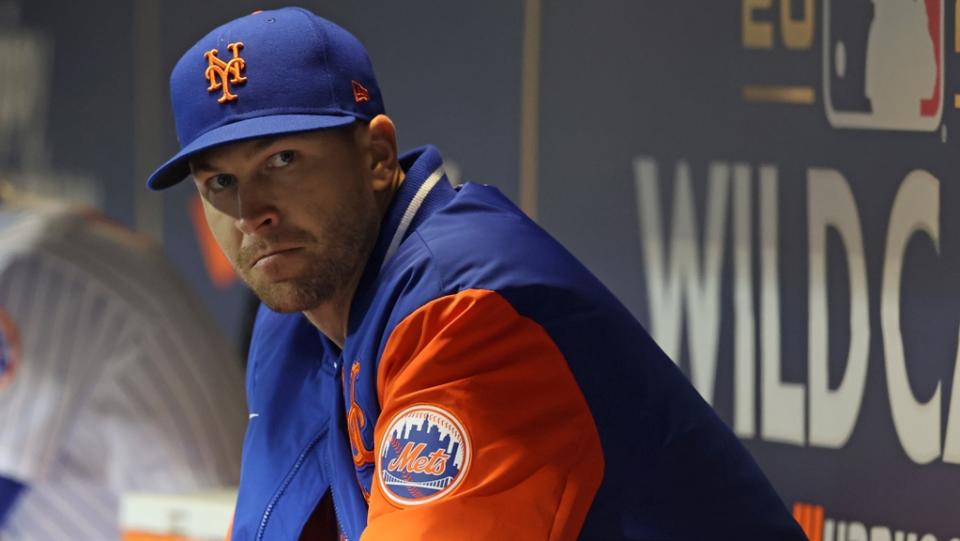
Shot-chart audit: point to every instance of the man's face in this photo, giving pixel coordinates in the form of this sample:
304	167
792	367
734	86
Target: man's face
296	215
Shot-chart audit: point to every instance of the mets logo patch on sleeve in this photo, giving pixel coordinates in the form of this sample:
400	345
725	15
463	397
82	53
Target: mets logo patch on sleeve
424	455
9	348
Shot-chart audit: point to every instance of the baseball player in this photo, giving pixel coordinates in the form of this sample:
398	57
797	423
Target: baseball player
428	362
112	376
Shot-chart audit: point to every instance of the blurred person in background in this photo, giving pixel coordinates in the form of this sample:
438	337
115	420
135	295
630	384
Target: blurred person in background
113	378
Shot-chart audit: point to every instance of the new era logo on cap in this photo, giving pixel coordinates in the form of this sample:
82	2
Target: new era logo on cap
295	72
360	92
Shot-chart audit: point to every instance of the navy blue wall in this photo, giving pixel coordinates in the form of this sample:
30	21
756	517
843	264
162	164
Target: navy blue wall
769	185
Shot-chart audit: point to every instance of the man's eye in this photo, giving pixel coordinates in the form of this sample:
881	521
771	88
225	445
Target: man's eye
281	159
221	182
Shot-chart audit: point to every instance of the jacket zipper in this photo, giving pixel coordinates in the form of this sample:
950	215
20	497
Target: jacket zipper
336	513
338	366
286	482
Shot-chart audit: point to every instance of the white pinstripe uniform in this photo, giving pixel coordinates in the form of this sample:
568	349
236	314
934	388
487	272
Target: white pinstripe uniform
123	382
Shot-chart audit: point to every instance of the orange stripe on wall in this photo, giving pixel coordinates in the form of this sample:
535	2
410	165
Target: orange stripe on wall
800	515
810	518
218	267
817	523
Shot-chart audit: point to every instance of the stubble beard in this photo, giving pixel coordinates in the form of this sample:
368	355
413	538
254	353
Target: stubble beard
333	262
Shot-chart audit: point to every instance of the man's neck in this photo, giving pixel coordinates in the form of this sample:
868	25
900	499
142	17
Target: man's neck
331	317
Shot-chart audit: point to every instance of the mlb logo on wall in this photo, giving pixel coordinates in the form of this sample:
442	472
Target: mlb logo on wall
424	455
9	348
883	64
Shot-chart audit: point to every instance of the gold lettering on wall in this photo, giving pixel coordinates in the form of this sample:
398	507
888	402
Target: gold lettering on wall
756	34
797	33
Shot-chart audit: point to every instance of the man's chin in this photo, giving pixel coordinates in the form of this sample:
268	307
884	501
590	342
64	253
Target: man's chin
282	308
286	297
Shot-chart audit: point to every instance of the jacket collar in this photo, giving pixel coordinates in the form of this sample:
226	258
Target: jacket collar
424	190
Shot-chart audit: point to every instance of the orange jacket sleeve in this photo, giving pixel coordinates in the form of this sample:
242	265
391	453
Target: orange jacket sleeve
530	459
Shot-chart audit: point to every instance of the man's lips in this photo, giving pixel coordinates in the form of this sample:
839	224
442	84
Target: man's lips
263	256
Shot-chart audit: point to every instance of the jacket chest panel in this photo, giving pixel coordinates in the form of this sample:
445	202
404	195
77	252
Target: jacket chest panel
361	410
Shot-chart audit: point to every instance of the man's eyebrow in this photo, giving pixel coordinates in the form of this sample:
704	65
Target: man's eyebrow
257	145
199	164
262	143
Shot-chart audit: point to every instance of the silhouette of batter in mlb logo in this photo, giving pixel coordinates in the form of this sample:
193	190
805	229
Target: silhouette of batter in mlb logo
883	63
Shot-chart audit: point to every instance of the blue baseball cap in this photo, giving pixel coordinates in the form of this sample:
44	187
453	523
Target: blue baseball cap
269	73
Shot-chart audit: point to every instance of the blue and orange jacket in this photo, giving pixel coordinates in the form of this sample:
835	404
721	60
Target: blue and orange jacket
489	388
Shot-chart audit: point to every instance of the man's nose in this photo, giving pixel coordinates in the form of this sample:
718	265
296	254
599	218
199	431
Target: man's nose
256	209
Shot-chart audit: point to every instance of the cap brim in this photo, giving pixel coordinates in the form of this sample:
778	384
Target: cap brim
177	168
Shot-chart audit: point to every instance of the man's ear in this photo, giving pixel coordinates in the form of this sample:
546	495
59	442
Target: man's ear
383	152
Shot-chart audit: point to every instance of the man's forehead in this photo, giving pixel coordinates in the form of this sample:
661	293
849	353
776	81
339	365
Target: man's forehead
206	159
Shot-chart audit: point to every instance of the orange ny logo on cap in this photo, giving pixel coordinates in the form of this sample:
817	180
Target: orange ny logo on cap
222	74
